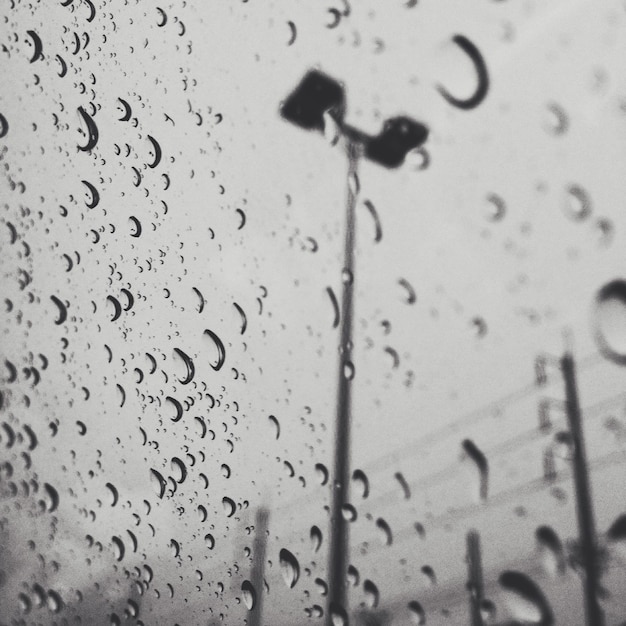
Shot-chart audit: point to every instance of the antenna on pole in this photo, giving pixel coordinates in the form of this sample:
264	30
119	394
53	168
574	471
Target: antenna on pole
317	95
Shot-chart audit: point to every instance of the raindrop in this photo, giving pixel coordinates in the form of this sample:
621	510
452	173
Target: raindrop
577	205
158	482
353	183
418	159
557	122
606	231
551	550
51	501
480	326
429	573
338	615
289	567
118	548
209	541
405	486
332	130
114	494
276	425
527	602
564	445
488	611
347	277
480	460
348	370
378	231
54	601
385	531
372	594
316	538
175	548
361	483
496	208
229	506
617	531
410	297
249	594
348	512
353	576
322	473
322	586
24	602
610	321
418	616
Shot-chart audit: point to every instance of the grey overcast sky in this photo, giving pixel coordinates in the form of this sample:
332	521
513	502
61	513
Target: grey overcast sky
151	192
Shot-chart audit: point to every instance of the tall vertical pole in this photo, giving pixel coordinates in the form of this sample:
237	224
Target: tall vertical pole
475	577
337	559
258	565
586	524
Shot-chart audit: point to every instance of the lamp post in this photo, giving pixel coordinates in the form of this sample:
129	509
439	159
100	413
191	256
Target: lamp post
317	95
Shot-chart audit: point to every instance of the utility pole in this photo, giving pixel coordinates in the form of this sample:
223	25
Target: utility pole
584	507
475	577
315	96
258	565
341	480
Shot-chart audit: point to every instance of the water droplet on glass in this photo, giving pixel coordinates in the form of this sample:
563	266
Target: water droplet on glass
322	473
526	600
158	482
332	130
372	594
338	615
316	538
249	594
348	512
488	611
557	121
606	230
361	483
577	204
551	550
289	567
276	424
429	573
416	612
229	506
495	208
348	370
418	159
610	321
353	183
353	575
564	445
51	500
322	586
385	532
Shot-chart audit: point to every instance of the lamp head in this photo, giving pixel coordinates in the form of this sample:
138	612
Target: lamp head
316	94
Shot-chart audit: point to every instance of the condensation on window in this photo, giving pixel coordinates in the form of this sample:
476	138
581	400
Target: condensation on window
313	312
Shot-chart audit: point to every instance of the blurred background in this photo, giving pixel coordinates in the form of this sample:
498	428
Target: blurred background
172	277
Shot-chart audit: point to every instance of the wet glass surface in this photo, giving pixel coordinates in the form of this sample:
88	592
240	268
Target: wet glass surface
313	313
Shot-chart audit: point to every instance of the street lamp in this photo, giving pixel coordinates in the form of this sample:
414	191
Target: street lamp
318	95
